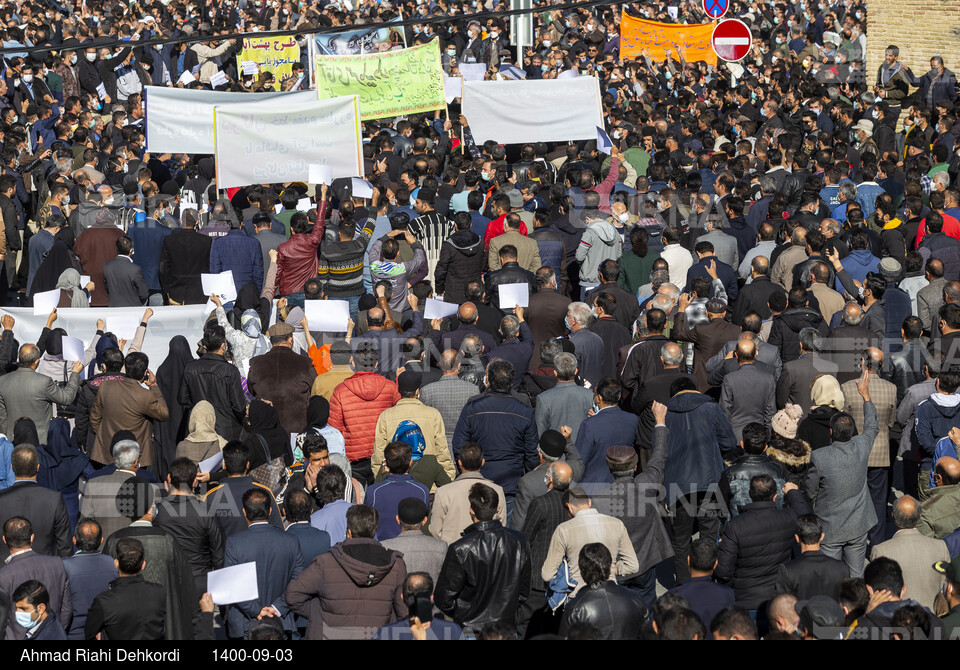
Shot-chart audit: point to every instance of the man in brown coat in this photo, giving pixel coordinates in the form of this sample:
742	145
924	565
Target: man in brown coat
547	312
283	377
355	588
95	246
130	405
708	338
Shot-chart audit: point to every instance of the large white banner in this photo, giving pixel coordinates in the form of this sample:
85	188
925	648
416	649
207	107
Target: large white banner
543	110
259	144
180	120
186	320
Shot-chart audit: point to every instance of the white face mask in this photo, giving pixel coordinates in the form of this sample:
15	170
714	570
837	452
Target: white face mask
90	57
624	217
28	78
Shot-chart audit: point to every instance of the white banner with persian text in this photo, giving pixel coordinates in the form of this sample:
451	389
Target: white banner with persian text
167	322
180	120
259	144
539	110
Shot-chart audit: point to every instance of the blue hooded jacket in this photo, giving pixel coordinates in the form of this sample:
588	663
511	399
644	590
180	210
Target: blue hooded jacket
700	438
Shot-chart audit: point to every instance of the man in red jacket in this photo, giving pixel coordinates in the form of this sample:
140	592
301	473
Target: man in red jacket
297	257
356	405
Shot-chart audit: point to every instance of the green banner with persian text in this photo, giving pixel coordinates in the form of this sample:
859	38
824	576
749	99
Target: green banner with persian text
393	83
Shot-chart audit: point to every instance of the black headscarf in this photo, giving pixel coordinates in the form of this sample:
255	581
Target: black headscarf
318	413
53	345
262	420
25	432
61	463
169	377
248	297
48	274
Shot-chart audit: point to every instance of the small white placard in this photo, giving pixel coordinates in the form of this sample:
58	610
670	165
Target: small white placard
438	309
361	188
236	584
45	302
102	91
211	464
186	78
473	71
218	78
452	88
221	284
327	316
320	174
72	349
249	67
514	295
304	204
124	327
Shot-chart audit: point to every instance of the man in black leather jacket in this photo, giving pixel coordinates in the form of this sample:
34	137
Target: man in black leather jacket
213	379
612	611
486	574
510	272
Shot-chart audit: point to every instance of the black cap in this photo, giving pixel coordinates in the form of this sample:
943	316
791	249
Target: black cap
409	381
399	220
411	511
552	443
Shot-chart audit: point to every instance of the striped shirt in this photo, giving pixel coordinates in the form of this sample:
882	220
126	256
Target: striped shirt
340	266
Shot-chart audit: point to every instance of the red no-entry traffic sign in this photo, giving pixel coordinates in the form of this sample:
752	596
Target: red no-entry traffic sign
731	39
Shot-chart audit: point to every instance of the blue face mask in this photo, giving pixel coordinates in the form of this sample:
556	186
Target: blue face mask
568	323
25	619
596	408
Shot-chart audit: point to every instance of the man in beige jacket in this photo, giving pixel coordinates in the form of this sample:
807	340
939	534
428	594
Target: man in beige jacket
450	514
409	408
528	251
206	53
914	552
586	526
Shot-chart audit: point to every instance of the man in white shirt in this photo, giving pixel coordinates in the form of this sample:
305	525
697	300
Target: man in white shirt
678	259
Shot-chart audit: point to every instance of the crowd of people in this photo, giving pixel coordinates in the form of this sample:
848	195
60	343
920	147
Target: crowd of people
727	409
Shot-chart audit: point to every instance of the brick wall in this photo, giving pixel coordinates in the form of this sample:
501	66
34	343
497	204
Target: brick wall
921	28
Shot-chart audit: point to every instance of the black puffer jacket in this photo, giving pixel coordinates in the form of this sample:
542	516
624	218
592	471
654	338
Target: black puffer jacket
461	262
213	379
785	332
485	576
754	544
616	612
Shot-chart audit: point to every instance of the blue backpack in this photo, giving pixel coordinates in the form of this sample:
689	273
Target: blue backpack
409	432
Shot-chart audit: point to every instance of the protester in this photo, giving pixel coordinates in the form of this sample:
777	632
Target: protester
811	208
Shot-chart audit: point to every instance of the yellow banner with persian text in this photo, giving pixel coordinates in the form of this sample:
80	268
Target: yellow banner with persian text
272	54
661	40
